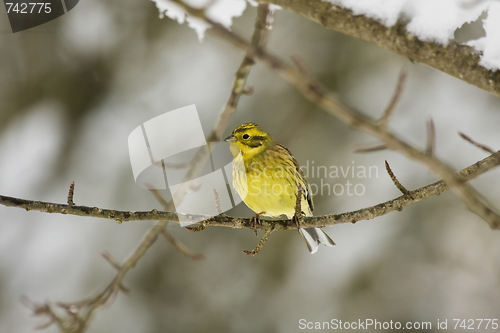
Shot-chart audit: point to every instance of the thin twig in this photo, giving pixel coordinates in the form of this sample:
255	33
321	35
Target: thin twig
395	98
217	202
177	244
300	64
184	165
431	137
165	204
71	193
370	149
181	247
259	246
395	180
298	207
109	258
477	144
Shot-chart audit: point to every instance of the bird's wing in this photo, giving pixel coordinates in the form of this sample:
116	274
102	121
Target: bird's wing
306	188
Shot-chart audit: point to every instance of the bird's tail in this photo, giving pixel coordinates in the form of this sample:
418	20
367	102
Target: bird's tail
314	237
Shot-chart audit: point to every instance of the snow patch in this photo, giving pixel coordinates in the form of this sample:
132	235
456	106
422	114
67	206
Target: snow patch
221	11
437	20
490	44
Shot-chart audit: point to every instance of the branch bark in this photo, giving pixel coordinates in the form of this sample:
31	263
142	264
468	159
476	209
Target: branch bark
460	61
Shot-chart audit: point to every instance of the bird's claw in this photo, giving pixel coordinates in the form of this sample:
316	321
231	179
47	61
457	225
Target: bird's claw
256	220
295	219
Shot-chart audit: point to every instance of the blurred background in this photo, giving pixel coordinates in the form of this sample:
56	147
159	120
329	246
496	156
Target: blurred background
72	90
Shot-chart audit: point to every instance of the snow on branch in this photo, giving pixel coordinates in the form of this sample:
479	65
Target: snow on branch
421	30
427	38
221	11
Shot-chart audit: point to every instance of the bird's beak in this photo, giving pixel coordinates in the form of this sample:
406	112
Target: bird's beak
230	138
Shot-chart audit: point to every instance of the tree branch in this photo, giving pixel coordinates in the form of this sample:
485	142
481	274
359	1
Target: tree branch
261	243
368	213
460	61
384	120
181	247
477	144
315	93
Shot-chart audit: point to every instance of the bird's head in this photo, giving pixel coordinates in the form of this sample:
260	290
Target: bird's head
250	139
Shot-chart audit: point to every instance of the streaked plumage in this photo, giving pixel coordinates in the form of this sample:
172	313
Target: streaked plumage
267	178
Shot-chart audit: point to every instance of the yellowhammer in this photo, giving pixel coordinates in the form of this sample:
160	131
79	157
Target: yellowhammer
267	177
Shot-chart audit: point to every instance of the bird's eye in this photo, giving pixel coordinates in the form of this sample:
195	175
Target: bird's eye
246	136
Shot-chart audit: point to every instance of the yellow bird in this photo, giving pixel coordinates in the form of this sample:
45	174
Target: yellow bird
267	178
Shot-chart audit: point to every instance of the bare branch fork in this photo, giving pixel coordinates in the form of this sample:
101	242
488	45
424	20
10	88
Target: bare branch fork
314	92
